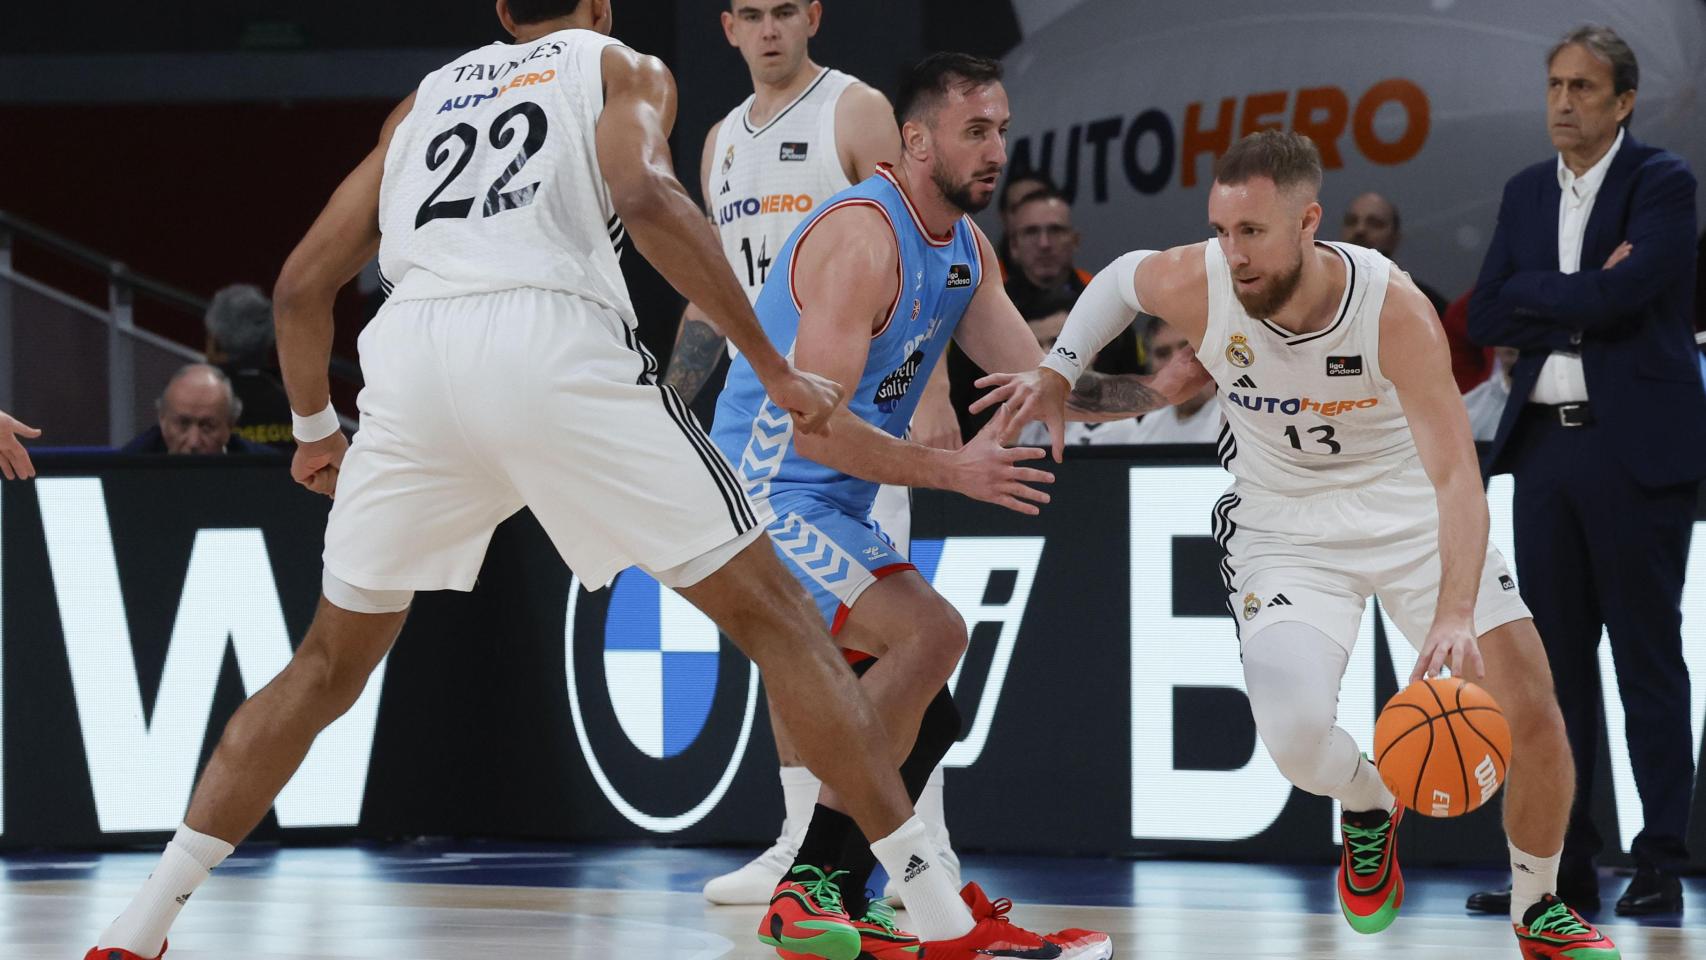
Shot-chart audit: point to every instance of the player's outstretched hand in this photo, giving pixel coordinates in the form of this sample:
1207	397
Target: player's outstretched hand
1038	394
808	398
1182	377
14	459
1450	644
316	464
986	470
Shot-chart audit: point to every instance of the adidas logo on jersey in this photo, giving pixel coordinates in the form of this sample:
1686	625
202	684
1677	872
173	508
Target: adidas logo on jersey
1245	382
1279	600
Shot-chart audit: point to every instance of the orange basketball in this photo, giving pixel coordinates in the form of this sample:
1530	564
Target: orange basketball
1442	746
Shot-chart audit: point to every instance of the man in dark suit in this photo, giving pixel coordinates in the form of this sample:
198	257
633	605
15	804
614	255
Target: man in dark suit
1591	275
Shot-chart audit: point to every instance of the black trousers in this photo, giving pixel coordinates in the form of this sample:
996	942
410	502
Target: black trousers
1600	553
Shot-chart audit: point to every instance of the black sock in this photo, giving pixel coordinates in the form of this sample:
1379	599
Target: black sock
936	735
825	838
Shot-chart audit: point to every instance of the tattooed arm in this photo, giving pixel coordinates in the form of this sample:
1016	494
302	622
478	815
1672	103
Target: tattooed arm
698	350
1101	396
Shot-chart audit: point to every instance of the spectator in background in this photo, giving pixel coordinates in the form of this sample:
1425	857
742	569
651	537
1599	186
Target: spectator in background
1197	420
1042	280
1017	188
1486	401
14	459
240	343
198	412
1589	273
1372	221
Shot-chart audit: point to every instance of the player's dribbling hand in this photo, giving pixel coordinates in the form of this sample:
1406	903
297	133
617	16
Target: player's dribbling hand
14	459
986	470
808	398
316	464
1450	645
1181	378
1038	394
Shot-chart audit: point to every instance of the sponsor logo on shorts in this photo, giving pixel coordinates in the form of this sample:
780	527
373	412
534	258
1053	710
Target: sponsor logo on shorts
1239	353
873	553
794	152
1344	366
1291	406
1252	606
959	275
1506	583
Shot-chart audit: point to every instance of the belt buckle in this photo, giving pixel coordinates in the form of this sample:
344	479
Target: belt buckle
1571	415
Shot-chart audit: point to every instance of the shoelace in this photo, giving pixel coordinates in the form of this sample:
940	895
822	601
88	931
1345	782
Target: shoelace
1367	847
823	889
882	915
1560	920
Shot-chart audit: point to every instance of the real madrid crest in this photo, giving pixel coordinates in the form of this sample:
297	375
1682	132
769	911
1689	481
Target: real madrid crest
1239	352
1252	603
728	160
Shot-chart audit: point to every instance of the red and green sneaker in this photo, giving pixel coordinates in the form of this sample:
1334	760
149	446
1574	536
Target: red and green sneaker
880	938
1371	887
806	919
1550	930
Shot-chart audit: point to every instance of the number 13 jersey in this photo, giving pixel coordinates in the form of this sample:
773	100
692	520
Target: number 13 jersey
1305	412
492	181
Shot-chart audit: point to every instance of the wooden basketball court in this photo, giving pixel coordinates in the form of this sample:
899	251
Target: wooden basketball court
429	904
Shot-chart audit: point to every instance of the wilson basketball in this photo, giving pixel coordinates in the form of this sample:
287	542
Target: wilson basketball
1442	746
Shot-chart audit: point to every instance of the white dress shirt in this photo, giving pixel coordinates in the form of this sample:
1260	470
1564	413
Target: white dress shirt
1166	426
1486	403
1080	433
1561	378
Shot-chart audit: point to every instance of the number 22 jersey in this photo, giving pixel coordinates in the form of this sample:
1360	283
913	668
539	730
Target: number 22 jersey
492	181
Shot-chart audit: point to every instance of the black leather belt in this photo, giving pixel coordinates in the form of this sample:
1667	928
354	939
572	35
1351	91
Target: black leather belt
1563	414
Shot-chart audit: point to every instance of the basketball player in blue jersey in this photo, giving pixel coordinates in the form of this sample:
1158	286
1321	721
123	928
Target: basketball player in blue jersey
1354	474
806	133
868	292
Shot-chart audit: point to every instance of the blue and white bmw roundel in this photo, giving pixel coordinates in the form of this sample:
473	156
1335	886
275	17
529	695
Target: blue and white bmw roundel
660	665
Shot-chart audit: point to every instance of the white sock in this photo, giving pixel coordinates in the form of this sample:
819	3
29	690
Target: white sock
1366	791
932	904
800	788
929	807
188	859
1532	877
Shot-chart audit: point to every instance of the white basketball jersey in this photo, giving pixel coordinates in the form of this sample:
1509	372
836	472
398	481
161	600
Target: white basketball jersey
492	181
1305	412
765	180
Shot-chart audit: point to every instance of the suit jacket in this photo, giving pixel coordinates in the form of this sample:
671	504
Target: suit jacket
1631	324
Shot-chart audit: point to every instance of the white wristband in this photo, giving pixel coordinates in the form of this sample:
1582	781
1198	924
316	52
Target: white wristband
314	427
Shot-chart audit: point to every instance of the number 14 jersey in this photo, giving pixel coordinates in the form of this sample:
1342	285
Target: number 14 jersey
1312	411
492	181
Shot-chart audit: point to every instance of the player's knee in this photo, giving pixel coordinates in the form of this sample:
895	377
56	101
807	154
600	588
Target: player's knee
941	638
327	679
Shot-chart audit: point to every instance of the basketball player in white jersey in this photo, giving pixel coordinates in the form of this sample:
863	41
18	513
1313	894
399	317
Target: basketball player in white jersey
504	372
806	133
1354	474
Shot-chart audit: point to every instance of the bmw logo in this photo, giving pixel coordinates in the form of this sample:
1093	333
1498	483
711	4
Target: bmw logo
663	707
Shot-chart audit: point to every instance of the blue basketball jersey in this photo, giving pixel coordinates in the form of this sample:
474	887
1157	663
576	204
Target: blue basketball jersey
937	279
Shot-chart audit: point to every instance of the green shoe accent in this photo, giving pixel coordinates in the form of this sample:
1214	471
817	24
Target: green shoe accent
1378	920
836	942
1594	953
1367	847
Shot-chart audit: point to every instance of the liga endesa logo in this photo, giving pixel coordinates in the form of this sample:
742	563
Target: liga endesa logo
662	706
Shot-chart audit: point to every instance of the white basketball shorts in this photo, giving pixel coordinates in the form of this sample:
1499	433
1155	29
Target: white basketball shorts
1318	558
477	406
